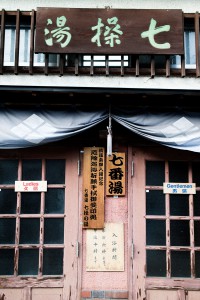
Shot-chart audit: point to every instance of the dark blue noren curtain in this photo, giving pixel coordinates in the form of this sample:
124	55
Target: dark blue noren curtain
177	129
21	128
28	128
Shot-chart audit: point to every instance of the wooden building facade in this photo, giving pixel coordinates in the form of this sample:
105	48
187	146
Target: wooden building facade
99	151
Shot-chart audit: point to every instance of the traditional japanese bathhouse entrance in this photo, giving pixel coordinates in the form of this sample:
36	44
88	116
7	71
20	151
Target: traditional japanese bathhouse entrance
39	231
166	226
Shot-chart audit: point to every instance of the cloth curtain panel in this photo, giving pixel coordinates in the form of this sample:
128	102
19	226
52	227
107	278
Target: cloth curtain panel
21	128
28	128
177	128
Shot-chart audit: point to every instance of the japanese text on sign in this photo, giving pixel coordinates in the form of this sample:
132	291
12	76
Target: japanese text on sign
179	188
30	186
115	175
93	187
118	31
105	248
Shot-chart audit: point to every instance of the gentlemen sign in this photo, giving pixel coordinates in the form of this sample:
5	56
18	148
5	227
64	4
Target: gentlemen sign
111	31
93	187
179	188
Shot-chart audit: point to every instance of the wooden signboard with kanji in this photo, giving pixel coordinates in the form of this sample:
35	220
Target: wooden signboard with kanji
115	175
110	31
93	187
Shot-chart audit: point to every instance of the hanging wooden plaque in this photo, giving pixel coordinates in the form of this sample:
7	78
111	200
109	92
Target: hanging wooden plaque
93	187
115	175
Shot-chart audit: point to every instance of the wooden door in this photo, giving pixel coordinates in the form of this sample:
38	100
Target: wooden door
165	227
39	229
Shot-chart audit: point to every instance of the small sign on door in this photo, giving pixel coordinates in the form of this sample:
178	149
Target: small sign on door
30	186
179	188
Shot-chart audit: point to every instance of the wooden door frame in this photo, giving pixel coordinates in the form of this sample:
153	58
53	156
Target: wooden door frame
73	236
136	199
71	281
